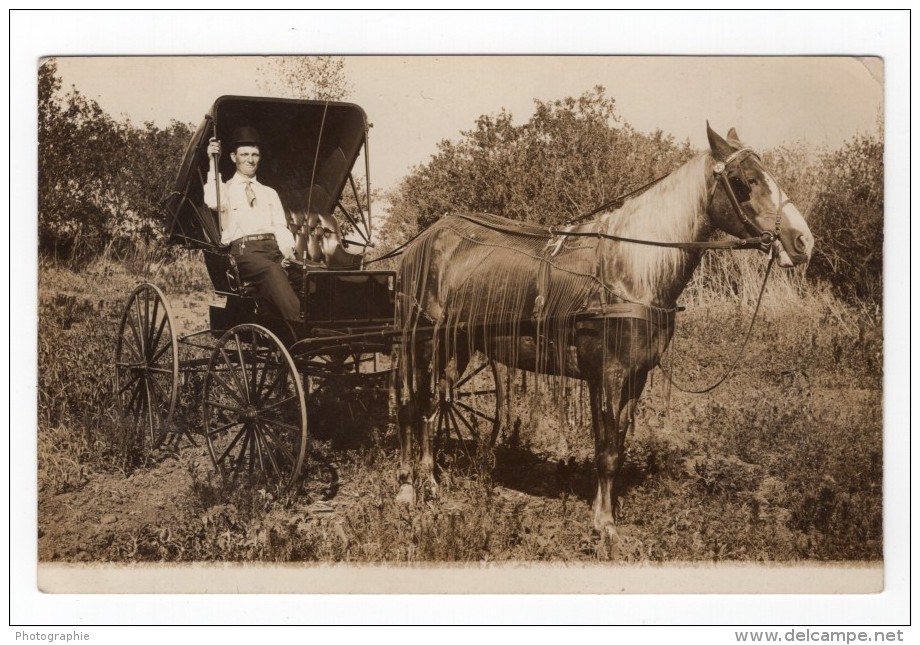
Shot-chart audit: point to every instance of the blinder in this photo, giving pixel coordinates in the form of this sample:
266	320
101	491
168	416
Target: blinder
740	187
738	190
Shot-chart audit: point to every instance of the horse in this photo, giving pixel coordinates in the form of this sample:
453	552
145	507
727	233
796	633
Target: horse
594	301
319	239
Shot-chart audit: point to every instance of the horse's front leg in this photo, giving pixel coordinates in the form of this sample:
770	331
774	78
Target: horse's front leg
607	453
613	416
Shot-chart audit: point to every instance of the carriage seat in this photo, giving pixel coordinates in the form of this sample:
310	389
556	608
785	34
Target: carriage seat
225	274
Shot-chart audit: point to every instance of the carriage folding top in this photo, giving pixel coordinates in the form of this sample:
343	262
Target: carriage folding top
309	150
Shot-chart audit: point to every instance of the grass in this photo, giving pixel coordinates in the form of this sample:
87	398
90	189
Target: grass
783	463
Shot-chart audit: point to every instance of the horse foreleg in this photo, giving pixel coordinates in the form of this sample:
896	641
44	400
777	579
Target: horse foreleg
612	418
607	454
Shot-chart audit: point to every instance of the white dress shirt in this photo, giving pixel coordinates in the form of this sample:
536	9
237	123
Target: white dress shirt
240	219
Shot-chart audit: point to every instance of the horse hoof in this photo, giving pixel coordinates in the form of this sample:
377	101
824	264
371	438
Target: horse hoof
607	530
432	490
406	495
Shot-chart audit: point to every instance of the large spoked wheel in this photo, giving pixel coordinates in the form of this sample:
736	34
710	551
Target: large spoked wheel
471	410
254	417
146	368
347	392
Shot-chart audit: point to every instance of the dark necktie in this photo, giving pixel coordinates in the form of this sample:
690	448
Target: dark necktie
250	194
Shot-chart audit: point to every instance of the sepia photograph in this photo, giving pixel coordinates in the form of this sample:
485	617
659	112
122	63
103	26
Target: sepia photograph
470	324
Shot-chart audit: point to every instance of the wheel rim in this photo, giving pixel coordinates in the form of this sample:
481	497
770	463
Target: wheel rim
253	410
146	367
471	409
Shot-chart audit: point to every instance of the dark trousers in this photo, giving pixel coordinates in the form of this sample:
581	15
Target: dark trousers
259	262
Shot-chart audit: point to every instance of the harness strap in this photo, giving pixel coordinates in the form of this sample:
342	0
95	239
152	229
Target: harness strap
658	316
744	343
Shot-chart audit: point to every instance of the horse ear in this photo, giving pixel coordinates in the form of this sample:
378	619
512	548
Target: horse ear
720	148
734	139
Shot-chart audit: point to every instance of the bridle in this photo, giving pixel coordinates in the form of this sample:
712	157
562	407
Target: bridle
737	189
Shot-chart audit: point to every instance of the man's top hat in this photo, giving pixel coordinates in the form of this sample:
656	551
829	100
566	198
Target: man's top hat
245	136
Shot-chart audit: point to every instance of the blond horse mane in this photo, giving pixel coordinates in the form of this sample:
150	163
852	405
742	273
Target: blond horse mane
659	214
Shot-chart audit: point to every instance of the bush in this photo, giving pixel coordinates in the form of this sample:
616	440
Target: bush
848	219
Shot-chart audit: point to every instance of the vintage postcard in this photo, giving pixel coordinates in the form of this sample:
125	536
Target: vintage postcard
426	324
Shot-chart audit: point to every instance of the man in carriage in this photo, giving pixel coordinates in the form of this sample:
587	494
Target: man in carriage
253	222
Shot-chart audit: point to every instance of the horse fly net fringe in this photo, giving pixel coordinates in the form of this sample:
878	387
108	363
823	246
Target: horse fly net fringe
483	282
518	290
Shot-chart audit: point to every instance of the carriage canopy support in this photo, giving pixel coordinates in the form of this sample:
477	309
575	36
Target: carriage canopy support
309	151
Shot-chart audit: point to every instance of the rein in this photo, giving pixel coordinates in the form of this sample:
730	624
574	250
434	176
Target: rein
762	241
747	337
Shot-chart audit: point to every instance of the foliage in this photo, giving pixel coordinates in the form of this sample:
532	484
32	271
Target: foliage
305	77
848	219
783	463
571	156
100	182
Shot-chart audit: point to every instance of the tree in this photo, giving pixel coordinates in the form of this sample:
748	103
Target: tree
77	143
305	77
848	218
571	156
100	182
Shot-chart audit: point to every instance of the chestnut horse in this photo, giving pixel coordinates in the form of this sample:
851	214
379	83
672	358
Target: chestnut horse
598	307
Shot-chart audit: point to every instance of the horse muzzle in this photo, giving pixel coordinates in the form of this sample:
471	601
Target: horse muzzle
794	249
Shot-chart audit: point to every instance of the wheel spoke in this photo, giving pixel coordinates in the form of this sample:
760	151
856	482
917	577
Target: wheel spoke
232	444
129	408
258	386
228	389
257	441
223	428
241	387
278	444
456	415
151	323
165	348
272	460
146	323
126	344
128	384
466	394
153	414
244	377
450	412
277	404
281	424
473	410
133	322
469	376
223	406
160	370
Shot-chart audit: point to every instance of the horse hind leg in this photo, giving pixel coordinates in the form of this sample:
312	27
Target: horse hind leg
407	418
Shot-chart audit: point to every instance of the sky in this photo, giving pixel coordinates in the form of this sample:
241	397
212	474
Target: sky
415	102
